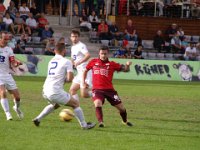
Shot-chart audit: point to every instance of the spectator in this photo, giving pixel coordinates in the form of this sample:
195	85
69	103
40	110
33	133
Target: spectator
176	44
19	23
130	32
61	40
2	23
12	10
136	8
190	52
122	7
51	44
46	34
2	8
9	26
42	22
171	31
138	53
84	21
100	7
78	2
160	6
103	30
195	10
89	6
31	24
64	7
114	31
94	20
12	42
180	32
120	53
158	41
34	10
24	10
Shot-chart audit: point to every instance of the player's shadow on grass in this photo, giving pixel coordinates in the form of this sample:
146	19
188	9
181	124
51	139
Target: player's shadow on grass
133	131
170	120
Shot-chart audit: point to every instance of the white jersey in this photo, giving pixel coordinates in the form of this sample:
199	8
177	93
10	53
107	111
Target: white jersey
5	54
78	52
56	74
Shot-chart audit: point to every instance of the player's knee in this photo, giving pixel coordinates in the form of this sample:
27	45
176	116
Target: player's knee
56	106
98	103
72	91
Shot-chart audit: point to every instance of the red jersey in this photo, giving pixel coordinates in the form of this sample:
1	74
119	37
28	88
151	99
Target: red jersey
102	73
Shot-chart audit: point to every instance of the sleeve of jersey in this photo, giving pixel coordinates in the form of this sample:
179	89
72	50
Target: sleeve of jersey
69	66
116	66
11	55
84	49
89	65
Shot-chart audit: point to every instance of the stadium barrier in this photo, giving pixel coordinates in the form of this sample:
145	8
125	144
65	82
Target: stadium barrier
166	70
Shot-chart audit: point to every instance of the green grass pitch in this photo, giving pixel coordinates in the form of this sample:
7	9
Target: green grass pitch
166	117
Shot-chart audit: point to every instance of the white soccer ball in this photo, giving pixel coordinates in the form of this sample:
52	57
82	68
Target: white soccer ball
66	115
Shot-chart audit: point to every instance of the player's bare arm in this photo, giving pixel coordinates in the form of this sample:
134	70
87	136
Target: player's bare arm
69	77
84	77
85	58
126	67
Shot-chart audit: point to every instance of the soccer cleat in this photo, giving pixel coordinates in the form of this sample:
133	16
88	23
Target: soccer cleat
36	122
19	112
127	123
101	125
89	126
8	116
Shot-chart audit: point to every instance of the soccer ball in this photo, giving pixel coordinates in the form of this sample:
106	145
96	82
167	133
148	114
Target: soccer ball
66	115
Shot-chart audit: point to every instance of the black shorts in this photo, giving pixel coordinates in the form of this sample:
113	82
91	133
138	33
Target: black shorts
110	95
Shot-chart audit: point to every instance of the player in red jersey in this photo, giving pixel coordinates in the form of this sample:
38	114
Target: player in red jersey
102	74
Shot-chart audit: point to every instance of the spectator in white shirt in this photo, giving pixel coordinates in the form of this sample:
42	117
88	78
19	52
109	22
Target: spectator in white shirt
191	52
9	23
24	10
31	24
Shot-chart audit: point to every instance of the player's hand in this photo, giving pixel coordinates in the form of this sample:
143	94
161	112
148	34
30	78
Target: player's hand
85	85
128	63
76	63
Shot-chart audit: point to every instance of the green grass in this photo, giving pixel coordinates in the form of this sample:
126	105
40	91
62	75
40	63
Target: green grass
166	117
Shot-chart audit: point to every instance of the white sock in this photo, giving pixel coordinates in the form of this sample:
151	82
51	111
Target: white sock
80	116
5	105
90	93
17	103
76	97
47	110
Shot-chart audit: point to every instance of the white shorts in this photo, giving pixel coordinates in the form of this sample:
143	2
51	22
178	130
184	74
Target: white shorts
79	79
61	98
8	81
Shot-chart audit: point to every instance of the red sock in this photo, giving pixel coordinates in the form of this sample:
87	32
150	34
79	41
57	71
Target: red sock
99	114
124	115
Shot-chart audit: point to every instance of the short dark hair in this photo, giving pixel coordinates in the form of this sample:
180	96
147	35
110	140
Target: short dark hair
104	48
75	32
60	47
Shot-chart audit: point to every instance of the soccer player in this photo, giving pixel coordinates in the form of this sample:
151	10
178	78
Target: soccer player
102	72
7	83
59	72
80	56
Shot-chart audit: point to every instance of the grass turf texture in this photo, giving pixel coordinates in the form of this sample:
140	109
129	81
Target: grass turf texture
166	117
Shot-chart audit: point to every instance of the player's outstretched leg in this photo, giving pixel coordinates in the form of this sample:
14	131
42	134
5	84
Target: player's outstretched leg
5	106
17	109
123	115
47	110
80	117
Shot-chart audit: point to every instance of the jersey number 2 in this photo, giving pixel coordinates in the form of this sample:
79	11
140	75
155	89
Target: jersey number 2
53	66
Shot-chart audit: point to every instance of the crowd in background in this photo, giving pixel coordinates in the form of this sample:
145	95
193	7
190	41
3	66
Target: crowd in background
26	22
